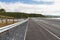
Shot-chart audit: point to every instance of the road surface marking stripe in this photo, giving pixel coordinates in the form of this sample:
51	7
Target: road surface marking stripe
50	32
26	30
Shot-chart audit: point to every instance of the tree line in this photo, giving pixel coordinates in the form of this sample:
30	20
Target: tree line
15	15
19	14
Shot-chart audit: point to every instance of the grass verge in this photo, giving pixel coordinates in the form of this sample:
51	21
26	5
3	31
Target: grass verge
4	24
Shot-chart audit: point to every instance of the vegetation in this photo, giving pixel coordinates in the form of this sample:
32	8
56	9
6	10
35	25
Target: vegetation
50	16
2	11
35	15
21	15
4	24
11	15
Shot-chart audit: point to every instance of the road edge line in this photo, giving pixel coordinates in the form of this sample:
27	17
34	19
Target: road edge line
50	32
26	29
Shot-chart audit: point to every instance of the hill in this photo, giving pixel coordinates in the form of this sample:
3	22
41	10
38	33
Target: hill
20	15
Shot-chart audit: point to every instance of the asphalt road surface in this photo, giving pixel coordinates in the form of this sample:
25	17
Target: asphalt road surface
43	29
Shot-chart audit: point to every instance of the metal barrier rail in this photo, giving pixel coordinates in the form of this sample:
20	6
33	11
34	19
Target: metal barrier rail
14	32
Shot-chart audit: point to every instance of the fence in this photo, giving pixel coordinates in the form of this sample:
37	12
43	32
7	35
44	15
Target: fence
4	19
14	32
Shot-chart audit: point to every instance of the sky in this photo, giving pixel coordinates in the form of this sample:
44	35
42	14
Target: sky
45	7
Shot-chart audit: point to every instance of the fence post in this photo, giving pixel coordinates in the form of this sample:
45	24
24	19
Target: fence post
1	19
6	20
13	20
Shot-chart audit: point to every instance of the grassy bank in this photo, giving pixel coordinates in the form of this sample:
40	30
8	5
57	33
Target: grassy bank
4	23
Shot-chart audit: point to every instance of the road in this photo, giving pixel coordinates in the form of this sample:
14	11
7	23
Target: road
43	29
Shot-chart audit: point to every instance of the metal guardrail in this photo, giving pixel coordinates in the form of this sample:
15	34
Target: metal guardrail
14	32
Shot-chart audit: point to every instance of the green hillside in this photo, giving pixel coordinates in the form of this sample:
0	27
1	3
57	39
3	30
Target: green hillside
19	14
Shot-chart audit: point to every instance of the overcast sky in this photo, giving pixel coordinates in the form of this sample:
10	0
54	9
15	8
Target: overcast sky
46	7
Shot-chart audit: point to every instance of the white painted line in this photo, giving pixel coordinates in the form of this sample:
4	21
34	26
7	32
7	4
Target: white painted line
11	26
47	29
50	32
26	30
55	25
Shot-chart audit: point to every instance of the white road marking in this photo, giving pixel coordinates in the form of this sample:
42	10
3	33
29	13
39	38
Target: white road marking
50	32
55	25
26	30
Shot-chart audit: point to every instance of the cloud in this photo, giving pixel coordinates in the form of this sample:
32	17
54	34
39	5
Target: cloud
37	0
53	9
43	0
21	7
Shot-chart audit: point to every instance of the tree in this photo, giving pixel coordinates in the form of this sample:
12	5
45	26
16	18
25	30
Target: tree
2	10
